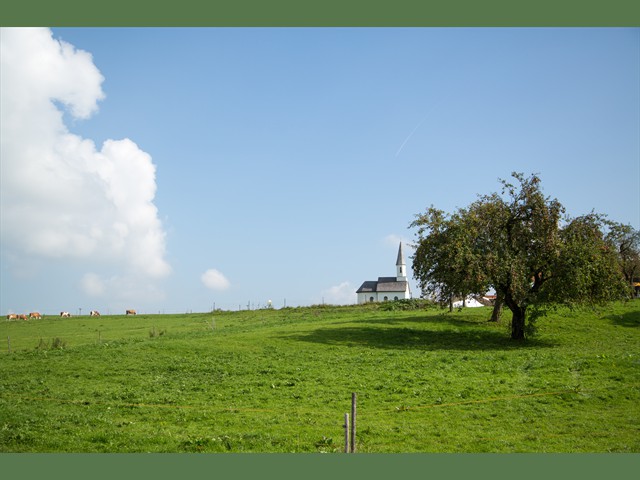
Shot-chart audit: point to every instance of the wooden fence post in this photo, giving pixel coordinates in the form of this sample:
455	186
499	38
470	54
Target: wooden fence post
353	422
346	433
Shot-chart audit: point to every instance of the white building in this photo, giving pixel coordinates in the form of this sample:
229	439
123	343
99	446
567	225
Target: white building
468	302
387	288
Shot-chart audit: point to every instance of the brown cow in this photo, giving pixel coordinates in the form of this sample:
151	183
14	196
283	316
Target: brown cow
35	315
65	314
22	316
130	312
12	316
94	313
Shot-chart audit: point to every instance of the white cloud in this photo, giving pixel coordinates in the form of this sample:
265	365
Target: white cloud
214	280
60	196
123	290
93	285
342	294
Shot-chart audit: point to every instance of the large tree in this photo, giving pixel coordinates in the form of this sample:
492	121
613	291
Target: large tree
515	243
447	256
626	240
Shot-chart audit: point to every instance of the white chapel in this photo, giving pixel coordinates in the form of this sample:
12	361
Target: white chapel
387	288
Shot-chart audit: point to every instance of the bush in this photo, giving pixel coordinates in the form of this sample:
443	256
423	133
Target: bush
406	304
153	333
56	343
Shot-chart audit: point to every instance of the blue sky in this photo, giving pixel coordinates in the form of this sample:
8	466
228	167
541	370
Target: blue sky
286	162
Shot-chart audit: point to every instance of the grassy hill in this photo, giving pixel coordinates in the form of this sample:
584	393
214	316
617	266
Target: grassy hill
281	381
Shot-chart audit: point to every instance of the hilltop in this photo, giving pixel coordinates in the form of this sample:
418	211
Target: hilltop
281	380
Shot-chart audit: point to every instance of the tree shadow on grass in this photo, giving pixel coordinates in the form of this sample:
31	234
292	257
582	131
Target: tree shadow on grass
628	319
459	334
455	320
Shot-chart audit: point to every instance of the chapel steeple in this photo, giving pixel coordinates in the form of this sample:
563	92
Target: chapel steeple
401	267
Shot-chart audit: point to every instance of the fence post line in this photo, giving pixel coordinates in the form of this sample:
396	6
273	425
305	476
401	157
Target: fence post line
353	422
346	433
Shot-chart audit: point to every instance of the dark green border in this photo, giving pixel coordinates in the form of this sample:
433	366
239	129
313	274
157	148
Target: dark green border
364	13
360	13
307	466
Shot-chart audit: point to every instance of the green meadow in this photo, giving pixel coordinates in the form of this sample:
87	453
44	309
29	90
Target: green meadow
426	380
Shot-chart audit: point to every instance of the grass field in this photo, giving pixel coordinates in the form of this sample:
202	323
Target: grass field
281	381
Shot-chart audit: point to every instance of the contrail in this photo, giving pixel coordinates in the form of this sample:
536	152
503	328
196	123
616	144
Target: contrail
410	135
416	128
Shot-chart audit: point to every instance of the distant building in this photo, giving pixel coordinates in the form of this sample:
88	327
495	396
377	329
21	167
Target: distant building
468	302
387	288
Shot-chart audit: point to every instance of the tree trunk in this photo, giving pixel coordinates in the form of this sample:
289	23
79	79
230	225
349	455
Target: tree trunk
517	323
518	318
497	309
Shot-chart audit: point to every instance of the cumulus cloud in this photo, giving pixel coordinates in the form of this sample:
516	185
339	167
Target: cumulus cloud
214	280
342	294
93	285
123	290
61	197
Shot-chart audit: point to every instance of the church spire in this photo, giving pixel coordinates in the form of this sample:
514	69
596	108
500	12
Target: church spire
400	260
401	267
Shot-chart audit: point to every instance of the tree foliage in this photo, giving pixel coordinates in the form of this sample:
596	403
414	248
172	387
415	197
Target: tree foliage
626	240
515	243
447	256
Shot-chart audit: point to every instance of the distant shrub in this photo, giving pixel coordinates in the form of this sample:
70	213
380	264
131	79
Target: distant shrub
153	333
56	344
407	304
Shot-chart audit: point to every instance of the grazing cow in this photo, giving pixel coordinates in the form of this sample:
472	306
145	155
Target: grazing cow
130	312
22	316
65	314
94	313
35	315
12	316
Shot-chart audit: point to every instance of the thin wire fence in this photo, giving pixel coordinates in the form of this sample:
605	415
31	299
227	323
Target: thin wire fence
233	409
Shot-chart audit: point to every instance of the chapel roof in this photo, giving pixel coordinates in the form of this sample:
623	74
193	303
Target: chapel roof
383	284
391	284
368	286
